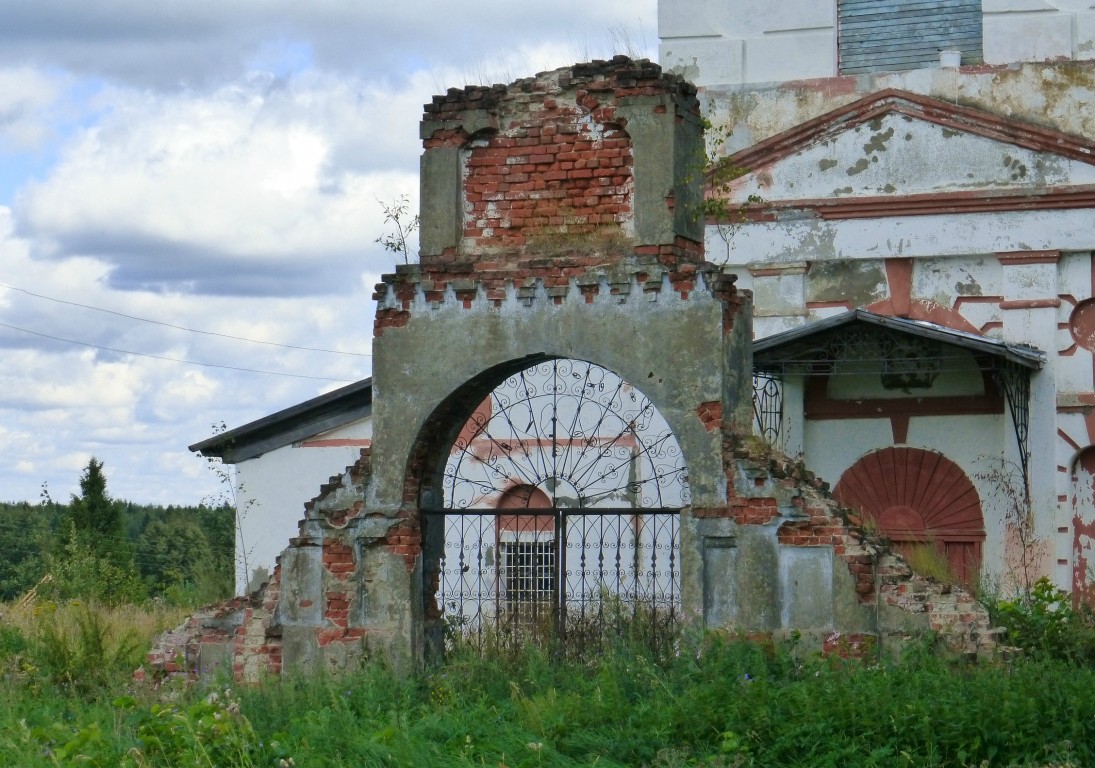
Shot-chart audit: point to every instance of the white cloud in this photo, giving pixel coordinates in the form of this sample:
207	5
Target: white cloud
216	166
232	192
211	41
27	97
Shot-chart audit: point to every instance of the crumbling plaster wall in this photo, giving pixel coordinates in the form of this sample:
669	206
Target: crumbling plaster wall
269	489
1020	272
1050	94
764	549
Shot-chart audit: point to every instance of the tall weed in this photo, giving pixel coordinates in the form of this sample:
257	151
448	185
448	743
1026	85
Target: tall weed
710	700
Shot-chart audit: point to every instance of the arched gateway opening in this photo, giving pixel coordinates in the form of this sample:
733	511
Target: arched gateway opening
559	519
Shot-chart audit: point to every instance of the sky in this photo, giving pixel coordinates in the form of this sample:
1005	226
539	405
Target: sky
190	198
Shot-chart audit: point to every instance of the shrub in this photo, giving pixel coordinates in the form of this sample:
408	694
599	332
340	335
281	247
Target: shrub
1044	623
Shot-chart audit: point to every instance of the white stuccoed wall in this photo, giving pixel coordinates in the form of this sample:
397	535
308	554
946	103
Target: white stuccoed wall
766	68
1038	30
736	41
273	488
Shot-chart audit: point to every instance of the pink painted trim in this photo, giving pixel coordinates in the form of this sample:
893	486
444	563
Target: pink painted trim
1031	304
1068	439
899	426
899	275
1028	257
817	405
927	204
337	443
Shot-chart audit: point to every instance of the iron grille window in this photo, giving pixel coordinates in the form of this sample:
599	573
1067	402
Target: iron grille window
896	35
529	571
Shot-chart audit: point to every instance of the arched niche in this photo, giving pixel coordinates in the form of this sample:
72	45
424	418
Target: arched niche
919	499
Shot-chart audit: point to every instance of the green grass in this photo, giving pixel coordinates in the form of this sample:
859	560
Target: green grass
711	702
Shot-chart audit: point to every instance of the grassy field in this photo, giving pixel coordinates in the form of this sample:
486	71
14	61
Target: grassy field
68	698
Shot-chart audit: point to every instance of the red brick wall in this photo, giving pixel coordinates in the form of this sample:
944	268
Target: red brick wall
567	170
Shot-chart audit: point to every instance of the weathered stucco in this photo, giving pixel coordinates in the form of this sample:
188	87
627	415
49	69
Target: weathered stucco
763	547
960	196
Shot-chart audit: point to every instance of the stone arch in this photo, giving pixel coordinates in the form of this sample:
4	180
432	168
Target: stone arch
557	495
453	421
919	498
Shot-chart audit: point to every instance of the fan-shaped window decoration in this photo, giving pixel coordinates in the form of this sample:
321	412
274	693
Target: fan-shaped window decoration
560	514
919	499
573	430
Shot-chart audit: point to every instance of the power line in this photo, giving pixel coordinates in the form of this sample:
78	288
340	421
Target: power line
174	359
182	327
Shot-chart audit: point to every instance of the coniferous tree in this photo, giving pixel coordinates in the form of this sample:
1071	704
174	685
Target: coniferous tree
97	561
94	514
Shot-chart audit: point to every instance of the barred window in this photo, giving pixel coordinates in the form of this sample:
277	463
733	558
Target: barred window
529	571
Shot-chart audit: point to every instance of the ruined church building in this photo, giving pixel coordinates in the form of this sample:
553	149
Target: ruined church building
623	388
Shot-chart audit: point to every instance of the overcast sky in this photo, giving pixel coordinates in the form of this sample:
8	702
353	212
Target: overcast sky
216	166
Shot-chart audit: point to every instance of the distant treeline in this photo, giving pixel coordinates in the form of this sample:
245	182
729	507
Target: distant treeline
182	554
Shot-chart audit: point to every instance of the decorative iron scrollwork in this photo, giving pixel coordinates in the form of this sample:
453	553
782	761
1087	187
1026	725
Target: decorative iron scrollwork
574	430
560	518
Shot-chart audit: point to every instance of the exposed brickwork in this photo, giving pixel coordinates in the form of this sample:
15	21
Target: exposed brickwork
245	633
710	414
765	488
572	172
554	156
539	199
405	539
548	197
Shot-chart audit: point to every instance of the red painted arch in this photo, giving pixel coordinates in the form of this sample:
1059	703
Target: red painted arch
919	498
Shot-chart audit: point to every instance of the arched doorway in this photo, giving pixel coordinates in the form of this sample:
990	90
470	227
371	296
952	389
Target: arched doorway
560	514
919	500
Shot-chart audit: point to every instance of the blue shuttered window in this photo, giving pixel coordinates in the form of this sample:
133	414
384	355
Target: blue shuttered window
894	35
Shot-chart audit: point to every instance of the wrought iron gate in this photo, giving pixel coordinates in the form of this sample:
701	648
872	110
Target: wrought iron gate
561	516
569	578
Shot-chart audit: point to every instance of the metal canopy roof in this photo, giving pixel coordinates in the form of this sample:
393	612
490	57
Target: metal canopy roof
298	422
809	344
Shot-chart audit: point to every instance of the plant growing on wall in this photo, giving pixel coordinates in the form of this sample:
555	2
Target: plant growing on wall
1006	476
235	496
398	213
719	175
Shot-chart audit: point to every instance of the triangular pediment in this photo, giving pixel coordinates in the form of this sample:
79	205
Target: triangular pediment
897	144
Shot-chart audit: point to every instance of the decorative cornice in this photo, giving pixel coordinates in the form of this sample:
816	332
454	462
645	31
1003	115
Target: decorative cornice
778	270
650	282
929	204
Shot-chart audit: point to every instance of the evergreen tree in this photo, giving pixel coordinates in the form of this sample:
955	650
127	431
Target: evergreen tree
97	561
94	515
